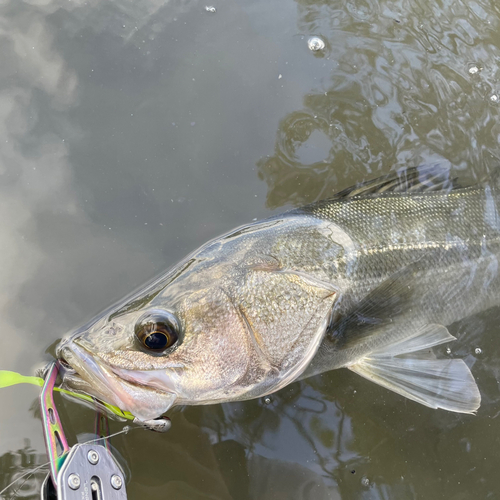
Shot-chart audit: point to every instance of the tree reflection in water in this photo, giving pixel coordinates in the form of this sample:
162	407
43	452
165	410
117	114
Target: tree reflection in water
15	464
409	83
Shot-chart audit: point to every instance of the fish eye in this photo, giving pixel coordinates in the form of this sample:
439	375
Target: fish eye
157	330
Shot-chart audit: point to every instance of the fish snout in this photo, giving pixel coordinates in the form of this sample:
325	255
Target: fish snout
85	373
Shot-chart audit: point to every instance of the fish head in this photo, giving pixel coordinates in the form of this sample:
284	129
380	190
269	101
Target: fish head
229	323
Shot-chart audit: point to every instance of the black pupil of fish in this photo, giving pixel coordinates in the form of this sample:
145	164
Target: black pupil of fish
157	330
156	340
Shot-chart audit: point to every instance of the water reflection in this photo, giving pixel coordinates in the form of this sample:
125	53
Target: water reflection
400	93
361	441
15	465
195	464
392	88
47	231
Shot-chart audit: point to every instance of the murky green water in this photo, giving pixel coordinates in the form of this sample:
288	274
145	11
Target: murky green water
132	131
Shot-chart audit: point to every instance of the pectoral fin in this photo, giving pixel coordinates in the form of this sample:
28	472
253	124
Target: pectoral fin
377	309
407	369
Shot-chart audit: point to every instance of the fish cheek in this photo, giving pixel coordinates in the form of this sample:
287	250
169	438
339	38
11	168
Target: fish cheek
287	315
215	353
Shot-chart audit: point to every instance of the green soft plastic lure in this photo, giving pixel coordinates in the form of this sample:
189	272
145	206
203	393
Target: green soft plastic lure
8	378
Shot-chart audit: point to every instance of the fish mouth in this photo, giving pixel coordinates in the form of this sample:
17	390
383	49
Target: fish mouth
85	373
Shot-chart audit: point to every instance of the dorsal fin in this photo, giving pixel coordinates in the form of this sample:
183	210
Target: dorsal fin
415	180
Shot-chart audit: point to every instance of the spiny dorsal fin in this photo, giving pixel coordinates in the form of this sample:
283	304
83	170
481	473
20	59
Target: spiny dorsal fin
411	180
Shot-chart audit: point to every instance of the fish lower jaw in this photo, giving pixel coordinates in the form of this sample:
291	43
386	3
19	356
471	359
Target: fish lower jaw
88	375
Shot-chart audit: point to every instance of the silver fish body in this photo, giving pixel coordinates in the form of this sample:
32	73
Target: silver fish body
368	280
447	242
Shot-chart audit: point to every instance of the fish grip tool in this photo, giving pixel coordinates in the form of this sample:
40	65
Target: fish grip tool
83	471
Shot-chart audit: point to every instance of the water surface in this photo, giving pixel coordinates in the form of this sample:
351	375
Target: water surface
132	131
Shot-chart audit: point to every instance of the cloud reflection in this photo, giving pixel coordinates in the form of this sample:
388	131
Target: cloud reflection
45	228
35	172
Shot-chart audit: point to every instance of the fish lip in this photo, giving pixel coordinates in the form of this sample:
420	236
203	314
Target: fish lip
149	377
65	368
71	354
106	383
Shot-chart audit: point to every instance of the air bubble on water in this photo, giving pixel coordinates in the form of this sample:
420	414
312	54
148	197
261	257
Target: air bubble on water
478	350
211	9
315	43
365	481
267	400
473	69
448	350
494	98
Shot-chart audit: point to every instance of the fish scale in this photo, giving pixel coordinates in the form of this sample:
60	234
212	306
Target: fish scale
450	235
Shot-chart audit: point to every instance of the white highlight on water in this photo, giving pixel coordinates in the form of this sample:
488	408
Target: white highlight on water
315	43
